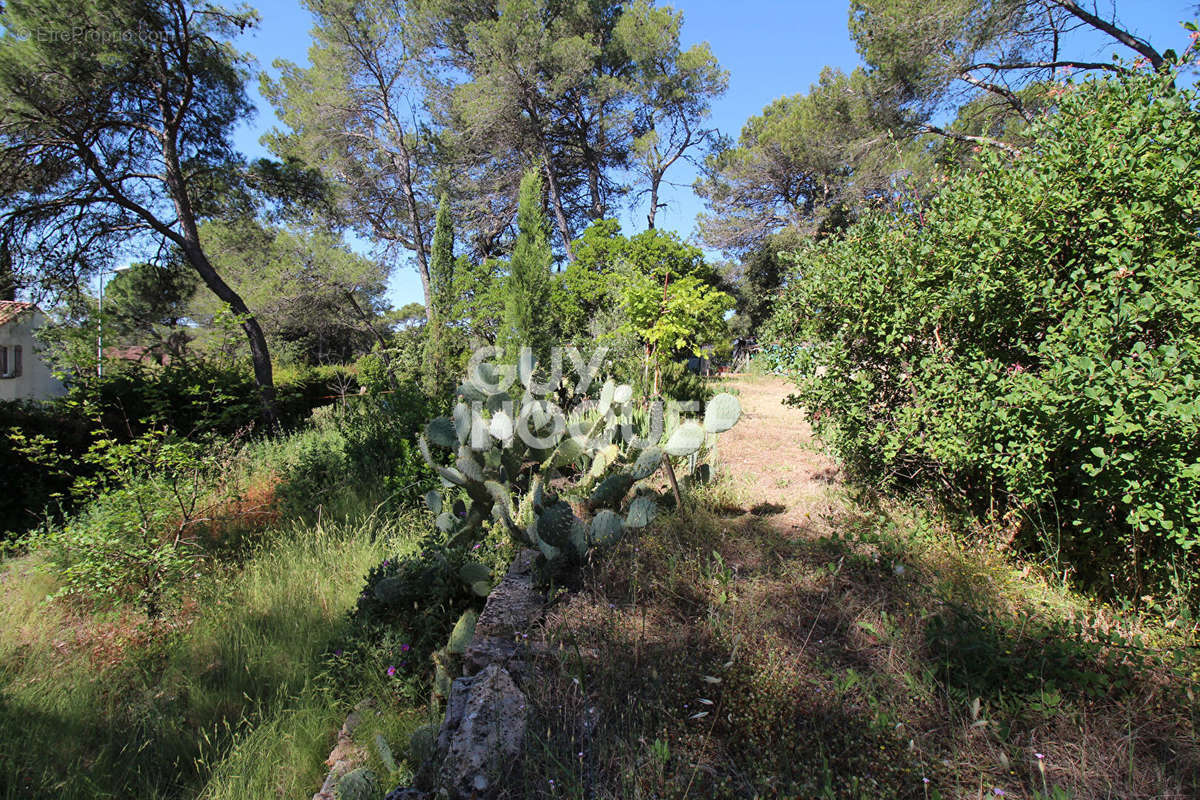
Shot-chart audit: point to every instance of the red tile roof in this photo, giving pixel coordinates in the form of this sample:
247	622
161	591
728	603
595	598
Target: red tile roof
11	309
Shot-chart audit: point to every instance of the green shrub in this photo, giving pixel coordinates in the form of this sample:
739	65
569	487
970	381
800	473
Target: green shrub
313	471
136	540
1031	344
33	487
412	615
365	447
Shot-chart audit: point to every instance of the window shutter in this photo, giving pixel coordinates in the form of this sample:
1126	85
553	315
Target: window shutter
17	361
3	362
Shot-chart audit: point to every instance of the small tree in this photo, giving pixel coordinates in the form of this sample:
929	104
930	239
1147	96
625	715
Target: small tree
674	316
527	317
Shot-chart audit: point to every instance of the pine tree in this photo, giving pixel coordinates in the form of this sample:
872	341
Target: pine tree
527	320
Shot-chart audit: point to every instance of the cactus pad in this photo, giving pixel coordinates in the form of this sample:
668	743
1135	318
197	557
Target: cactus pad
474	572
463	633
467	464
606	397
554	524
611	491
722	413
501	426
648	461
420	744
359	784
442	433
641	512
607	528
686	440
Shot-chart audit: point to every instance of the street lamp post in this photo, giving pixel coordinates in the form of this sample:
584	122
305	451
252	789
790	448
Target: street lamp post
100	320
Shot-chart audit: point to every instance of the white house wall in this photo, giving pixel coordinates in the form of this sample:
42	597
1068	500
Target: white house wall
35	381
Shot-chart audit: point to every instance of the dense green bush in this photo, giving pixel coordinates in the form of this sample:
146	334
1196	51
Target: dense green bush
365	447
1031	342
415	618
42	446
137	540
198	397
30	488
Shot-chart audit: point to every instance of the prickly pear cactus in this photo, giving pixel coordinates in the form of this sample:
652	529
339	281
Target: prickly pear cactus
359	784
507	442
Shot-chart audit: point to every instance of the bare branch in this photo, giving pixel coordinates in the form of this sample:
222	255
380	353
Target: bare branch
1123	36
967	137
1083	65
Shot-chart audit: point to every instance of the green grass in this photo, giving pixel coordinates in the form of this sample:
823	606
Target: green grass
232	696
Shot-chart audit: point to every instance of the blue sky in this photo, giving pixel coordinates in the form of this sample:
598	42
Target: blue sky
771	48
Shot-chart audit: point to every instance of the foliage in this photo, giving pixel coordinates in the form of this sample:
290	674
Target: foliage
763	272
440	355
674	90
356	116
1031	340
318	301
32	487
1001	57
478	306
585	287
675	316
147	304
800	164
363	450
630	273
44	448
137	540
409	605
581	89
196	397
527	287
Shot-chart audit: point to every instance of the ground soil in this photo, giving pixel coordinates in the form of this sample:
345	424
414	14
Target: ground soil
772	457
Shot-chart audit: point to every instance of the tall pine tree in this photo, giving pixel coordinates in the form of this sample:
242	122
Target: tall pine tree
527	314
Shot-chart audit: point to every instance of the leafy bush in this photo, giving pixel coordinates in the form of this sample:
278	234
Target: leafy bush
198	397
314	470
429	589
365	447
1031	343
137	540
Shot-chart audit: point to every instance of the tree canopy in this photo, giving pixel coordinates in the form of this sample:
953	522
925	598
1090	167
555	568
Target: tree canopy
799	163
116	134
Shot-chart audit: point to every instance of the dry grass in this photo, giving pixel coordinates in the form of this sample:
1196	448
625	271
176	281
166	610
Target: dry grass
827	646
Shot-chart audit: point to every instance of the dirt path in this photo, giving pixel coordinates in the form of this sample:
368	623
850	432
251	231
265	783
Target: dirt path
771	455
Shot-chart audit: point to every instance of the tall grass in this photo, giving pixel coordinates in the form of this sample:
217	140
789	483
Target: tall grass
235	685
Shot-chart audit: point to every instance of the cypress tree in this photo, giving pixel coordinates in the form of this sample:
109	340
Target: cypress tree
441	280
527	320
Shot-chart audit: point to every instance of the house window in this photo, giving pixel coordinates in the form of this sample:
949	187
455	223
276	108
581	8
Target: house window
10	362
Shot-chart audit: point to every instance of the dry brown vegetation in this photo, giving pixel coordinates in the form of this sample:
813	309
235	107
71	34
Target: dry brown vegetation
786	636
